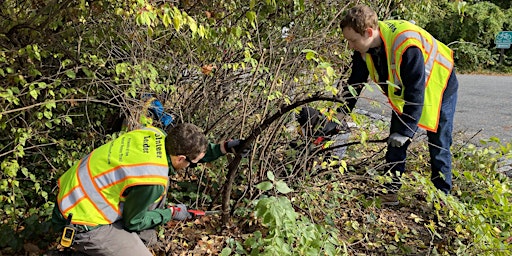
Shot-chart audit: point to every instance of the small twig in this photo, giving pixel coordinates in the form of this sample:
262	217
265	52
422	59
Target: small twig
57	101
323	150
28	148
474	135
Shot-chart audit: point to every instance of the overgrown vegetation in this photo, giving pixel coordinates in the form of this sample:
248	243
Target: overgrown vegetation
72	71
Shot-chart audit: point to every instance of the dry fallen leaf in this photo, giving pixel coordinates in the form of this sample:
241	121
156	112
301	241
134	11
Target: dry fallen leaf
207	69
416	218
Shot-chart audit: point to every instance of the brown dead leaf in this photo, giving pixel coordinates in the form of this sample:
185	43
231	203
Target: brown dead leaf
72	101
207	69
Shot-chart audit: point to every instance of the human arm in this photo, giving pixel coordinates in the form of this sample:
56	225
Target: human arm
358	76
412	72
136	215
213	151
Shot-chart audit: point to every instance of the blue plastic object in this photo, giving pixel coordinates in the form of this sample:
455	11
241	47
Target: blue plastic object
158	110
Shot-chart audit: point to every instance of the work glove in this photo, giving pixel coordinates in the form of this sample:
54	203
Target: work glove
180	212
235	147
397	140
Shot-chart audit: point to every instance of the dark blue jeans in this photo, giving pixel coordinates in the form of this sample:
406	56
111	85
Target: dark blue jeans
439	145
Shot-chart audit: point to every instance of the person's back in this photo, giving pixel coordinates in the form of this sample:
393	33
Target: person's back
120	188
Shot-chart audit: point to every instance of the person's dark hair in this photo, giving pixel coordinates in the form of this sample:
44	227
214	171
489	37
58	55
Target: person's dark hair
359	18
185	139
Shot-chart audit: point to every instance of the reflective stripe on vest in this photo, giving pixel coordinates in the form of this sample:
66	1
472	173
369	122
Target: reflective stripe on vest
438	66
92	189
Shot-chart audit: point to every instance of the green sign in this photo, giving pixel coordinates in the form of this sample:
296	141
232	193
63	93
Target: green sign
503	37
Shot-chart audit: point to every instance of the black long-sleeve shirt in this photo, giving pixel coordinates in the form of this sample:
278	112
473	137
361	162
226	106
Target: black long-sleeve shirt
412	71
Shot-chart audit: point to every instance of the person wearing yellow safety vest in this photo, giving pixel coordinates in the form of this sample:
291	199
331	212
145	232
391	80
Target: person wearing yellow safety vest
117	193
416	73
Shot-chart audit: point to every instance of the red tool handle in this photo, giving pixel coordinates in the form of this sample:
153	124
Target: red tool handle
196	213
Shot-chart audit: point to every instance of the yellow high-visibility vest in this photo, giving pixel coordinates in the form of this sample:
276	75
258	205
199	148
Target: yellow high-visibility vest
398	35
92	189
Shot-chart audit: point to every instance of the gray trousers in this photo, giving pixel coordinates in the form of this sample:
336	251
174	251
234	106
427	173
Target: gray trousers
111	240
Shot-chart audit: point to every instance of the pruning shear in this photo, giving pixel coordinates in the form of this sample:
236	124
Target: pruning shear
199	213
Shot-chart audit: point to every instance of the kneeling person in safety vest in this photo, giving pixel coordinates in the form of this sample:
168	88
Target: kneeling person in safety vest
416	72
118	192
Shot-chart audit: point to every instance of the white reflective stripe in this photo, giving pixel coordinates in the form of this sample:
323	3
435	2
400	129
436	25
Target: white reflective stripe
432	51
156	130
429	64
412	34
444	61
70	199
97	199
126	171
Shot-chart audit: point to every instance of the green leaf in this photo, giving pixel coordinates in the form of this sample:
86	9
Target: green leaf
266	185
48	114
364	137
270	175
66	62
352	91
44	194
192	24
330	71
166	20
282	187
225	252
251	16
34	93
87	72
70	73
177	19
310	54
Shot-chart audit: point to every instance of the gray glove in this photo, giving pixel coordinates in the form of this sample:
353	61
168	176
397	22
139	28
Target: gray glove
397	140
234	146
180	212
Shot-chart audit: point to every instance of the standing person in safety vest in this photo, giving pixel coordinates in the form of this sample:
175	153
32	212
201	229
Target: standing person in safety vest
422	88
118	191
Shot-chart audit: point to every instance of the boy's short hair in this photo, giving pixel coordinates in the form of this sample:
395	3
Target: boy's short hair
185	139
359	18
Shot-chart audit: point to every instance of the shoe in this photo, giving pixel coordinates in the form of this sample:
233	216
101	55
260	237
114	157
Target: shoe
390	199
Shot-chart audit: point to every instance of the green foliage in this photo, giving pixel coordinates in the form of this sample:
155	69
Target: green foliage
279	185
72	71
470	29
507	24
478	209
289	234
481	23
471	57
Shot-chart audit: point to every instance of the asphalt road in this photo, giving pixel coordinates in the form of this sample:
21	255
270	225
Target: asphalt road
484	107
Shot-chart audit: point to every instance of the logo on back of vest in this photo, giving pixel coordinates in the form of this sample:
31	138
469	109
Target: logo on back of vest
145	144
391	26
159	144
